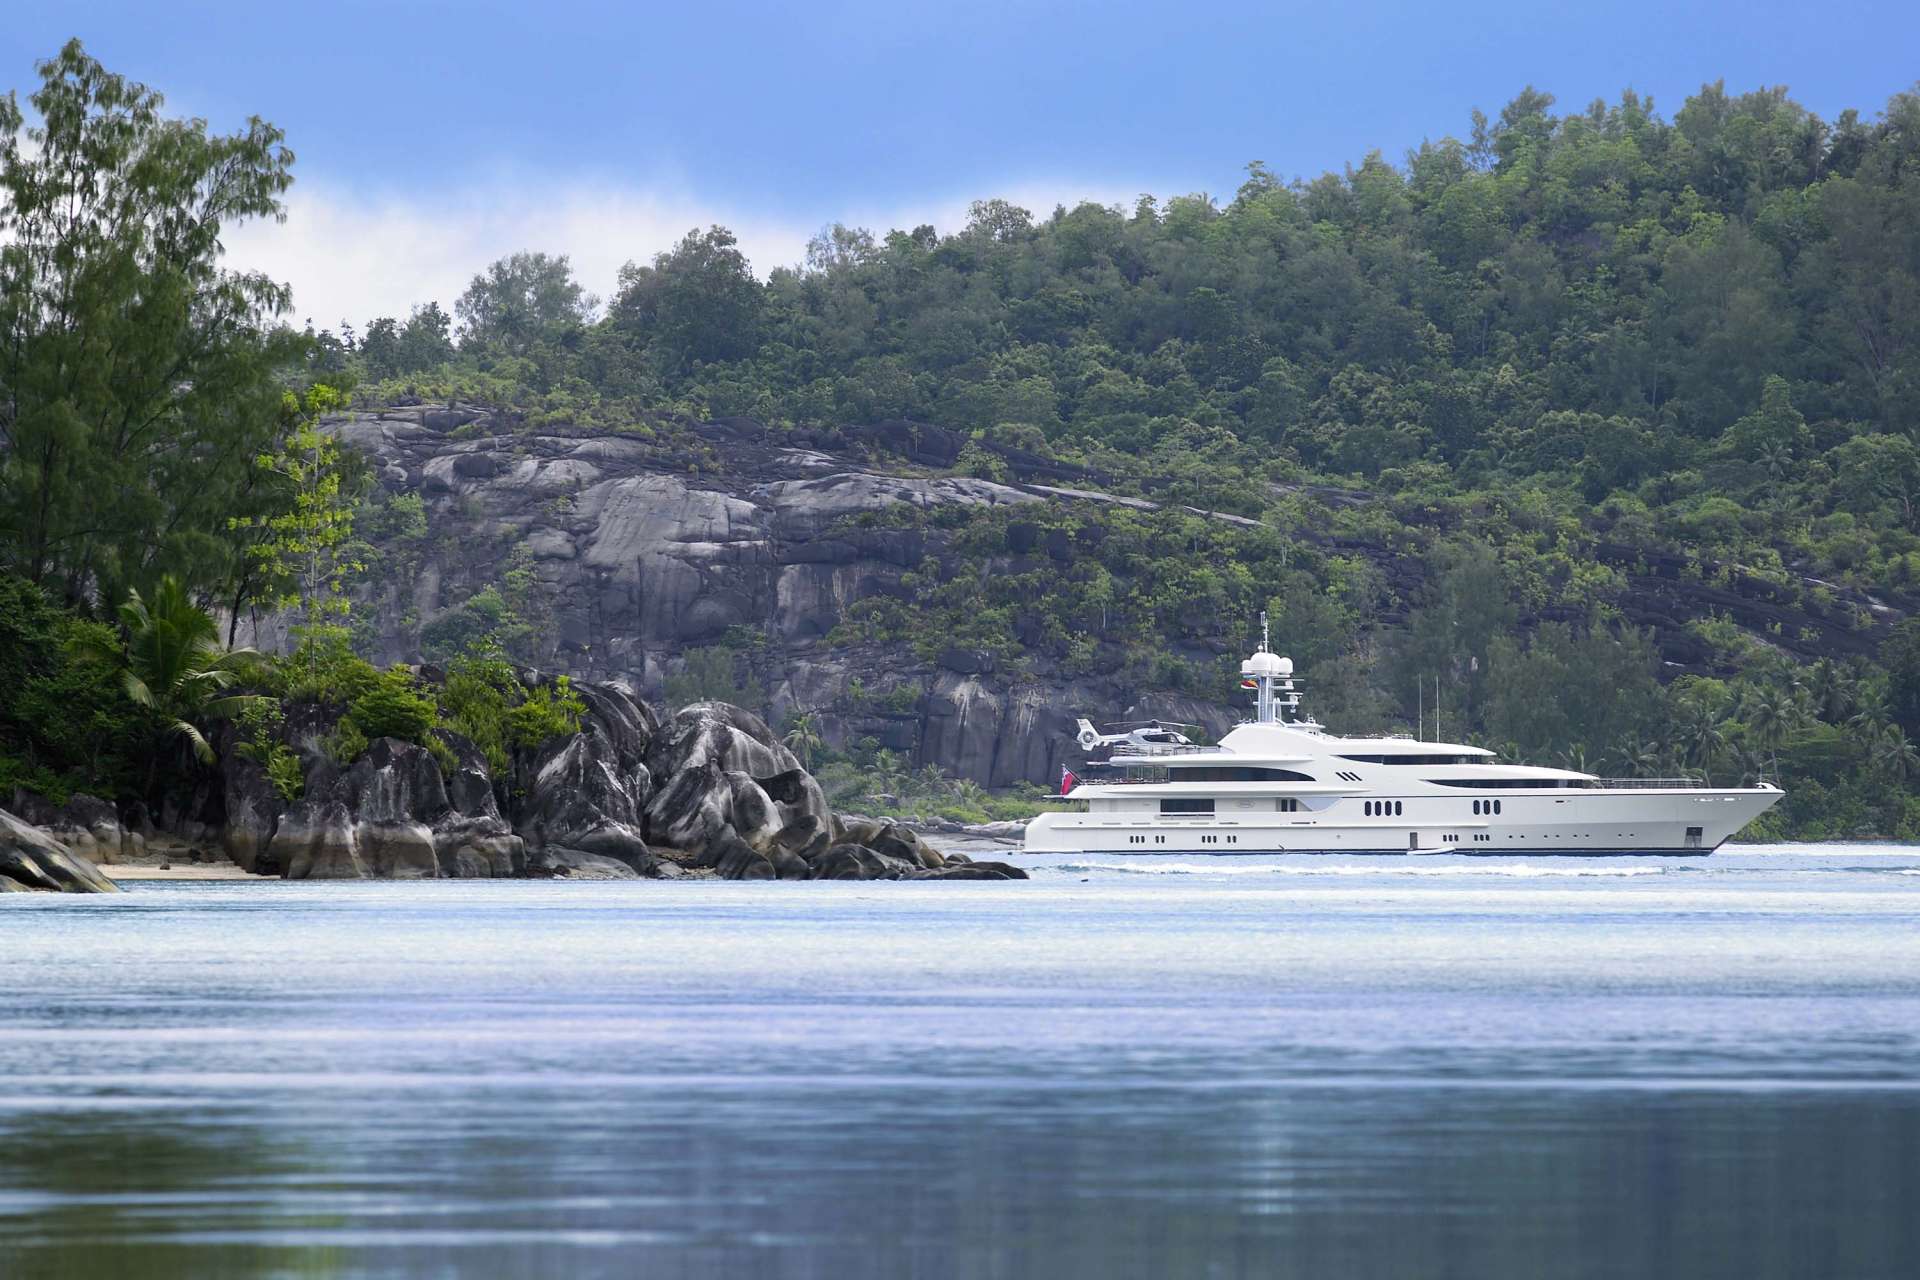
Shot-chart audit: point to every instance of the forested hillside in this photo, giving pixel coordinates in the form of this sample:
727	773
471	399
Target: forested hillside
1598	426
1605	419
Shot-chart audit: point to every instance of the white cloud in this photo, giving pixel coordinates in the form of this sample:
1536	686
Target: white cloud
355	256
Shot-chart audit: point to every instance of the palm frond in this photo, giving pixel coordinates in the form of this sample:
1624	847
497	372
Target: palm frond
136	688
201	747
233	705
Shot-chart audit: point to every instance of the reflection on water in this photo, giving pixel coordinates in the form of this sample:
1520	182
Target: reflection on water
1100	1073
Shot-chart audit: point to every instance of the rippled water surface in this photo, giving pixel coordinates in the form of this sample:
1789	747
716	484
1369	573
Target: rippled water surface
1174	1066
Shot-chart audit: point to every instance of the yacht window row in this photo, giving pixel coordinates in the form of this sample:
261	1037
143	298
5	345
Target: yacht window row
1513	784
1233	773
1486	806
1383	808
1421	759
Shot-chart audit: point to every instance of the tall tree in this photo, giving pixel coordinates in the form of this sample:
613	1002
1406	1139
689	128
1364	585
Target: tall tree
304	554
136	375
522	299
697	303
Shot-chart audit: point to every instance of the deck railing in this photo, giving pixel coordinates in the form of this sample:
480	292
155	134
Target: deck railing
1153	753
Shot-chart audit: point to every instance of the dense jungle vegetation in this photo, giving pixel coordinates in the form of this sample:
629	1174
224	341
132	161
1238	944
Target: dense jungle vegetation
1443	417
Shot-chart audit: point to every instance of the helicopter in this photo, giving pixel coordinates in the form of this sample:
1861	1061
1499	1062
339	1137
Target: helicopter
1138	737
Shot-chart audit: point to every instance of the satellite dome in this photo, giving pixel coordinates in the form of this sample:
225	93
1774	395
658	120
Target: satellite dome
1263	664
1286	666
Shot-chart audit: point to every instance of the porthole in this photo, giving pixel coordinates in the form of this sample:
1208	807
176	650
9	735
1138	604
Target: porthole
1396	808
1496	806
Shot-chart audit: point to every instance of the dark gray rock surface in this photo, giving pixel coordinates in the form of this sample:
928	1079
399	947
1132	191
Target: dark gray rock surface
88	826
709	790
635	561
30	860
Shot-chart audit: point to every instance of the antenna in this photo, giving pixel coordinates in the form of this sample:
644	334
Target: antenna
1263	631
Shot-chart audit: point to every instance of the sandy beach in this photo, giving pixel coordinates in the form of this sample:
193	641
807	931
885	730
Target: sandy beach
119	871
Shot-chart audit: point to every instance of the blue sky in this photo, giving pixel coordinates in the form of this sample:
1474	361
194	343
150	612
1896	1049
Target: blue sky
434	136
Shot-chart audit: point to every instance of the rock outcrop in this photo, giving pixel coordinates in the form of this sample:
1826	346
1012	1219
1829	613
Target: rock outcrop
379	819
635	561
708	791
30	859
87	826
734	797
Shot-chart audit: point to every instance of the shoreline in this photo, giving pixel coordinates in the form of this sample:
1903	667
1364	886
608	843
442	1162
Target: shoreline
120	871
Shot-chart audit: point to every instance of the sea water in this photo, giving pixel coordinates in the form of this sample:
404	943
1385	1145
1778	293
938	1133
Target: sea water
1154	1066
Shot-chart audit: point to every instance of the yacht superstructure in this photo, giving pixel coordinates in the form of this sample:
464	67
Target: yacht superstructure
1281	783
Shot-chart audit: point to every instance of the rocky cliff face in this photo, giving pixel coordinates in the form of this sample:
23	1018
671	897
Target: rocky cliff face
640	553
639	550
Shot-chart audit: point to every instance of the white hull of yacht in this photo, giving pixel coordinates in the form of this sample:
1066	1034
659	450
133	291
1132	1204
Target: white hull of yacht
1690	821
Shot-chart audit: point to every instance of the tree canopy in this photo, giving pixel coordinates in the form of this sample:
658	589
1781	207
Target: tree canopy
137	375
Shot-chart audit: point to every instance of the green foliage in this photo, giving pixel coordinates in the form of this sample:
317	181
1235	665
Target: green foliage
480	689
803	738
696	303
519	302
303	555
1567	687
484	700
139	376
173	665
714	673
347	742
443	755
879	782
1901	656
284	772
260	723
394	707
65	723
324	668
485	621
547	711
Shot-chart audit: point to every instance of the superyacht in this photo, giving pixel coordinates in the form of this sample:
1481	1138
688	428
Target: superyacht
1281	783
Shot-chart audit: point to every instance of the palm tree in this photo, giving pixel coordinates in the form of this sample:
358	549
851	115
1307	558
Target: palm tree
1704	734
174	665
803	738
1752	764
1869	716
1833	691
1894	754
1777	457
1666	747
889	772
1770	714
1640	759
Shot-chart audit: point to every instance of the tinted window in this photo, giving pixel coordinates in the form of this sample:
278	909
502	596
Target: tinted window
1232	773
1434	759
